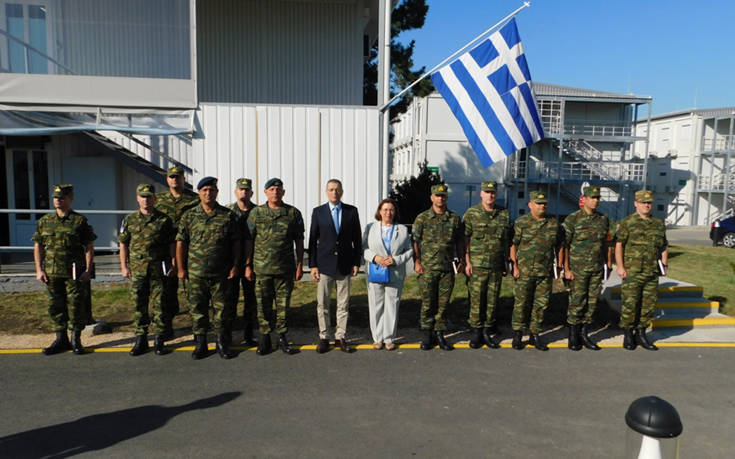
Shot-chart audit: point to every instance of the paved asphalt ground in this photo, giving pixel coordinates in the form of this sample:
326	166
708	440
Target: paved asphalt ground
408	403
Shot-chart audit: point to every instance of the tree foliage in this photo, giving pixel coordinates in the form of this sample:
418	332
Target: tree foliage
413	195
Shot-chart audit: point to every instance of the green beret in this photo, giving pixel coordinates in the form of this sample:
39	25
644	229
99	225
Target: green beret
63	191
244	183
539	197
175	171
489	186
144	189
644	196
440	189
591	191
273	182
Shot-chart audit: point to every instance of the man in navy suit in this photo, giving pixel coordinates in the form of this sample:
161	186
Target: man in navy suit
335	254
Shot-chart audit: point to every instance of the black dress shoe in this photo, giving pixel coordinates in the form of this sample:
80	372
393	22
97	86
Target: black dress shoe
283	344
442	341
573	340
223	347
159	346
587	341
264	347
201	349
642	339
629	339
476	340
76	342
248	336
60	344
141	345
518	340
323	346
536	341
427	342
342	345
487	337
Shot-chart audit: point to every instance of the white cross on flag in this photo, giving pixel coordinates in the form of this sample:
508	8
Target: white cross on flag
488	90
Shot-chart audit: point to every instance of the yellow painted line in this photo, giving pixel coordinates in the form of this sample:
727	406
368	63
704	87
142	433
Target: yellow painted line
688	304
658	323
669	289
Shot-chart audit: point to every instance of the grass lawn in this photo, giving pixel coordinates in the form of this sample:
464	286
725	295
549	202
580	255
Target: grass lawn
709	267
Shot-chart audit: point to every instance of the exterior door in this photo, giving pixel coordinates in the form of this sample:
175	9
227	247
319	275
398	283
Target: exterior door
28	188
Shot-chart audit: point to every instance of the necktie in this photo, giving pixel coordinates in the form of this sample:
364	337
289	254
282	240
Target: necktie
335	218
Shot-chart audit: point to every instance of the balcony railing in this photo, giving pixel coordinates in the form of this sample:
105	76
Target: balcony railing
578	170
589	128
720	142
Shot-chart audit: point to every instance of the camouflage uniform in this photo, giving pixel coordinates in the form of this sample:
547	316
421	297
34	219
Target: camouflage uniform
210	238
64	240
585	238
536	242
643	240
437	236
248	287
273	232
489	237
174	208
149	238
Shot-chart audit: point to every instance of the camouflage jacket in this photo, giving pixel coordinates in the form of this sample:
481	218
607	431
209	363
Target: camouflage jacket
537	242
175	207
489	235
643	241
437	236
585	237
210	238
64	240
273	232
148	238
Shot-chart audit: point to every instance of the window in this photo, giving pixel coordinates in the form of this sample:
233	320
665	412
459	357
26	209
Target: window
27	49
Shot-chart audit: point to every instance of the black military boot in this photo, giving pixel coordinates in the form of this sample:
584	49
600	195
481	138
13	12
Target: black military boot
587	341
159	346
487	337
264	347
518	340
573	341
223	347
201	349
283	344
248	336
642	339
141	345
476	340
60	344
443	345
629	339
76	342
427	343
536	341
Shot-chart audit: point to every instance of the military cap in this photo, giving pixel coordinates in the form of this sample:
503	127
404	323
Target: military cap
273	182
489	186
145	189
244	183
440	189
63	191
591	191
207	181
539	197
644	196
175	171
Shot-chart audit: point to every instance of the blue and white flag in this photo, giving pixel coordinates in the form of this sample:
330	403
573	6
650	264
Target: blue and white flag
488	90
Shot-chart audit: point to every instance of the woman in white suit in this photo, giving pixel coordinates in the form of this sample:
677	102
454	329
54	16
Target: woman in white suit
386	243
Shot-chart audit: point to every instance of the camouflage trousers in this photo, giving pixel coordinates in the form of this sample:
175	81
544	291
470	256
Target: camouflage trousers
532	294
484	292
436	291
249	309
171	294
203	290
148	289
66	304
584	293
271	289
639	294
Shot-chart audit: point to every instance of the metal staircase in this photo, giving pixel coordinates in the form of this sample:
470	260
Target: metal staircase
589	156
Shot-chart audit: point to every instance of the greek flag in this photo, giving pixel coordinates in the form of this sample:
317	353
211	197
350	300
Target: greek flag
488	90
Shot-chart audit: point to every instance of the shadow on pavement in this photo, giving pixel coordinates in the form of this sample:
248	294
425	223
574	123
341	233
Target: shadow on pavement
99	431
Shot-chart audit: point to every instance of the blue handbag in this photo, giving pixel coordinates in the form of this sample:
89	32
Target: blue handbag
379	274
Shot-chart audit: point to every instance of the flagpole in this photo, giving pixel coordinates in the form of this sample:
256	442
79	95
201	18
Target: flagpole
459	51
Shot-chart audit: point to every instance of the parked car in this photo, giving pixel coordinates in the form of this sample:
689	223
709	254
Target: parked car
723	232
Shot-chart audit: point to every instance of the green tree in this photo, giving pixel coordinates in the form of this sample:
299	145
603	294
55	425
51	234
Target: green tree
413	194
409	14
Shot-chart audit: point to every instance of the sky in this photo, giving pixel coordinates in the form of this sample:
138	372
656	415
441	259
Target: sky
679	52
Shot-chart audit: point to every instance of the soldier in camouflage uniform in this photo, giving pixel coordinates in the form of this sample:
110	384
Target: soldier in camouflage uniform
147	256
536	239
437	241
487	239
275	228
640	243
586	249
241	208
63	248
208	254
174	202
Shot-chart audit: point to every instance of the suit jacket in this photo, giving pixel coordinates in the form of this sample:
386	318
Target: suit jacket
335	253
400	248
